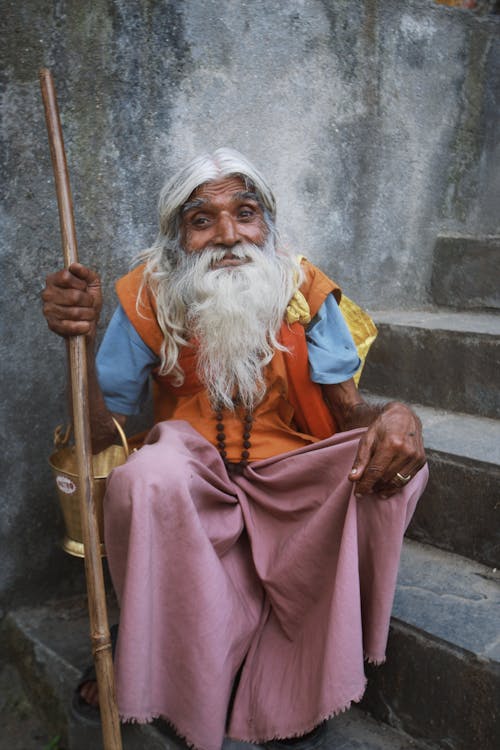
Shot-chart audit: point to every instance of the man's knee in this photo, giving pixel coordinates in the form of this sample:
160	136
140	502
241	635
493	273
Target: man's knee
148	476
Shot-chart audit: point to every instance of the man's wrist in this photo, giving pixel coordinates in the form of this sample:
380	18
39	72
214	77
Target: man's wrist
363	414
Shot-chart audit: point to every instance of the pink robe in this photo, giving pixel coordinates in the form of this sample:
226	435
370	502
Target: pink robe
280	574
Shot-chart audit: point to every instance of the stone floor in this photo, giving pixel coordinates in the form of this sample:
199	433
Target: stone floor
20	727
50	645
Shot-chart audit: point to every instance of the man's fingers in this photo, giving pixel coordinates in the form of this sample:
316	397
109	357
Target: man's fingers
370	479
389	452
407	460
67	297
65	280
75	277
87	275
393	477
399	476
363	455
393	480
69	328
60	313
365	472
72	301
69	321
380	473
370	464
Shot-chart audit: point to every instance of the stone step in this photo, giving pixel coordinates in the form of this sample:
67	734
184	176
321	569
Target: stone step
447	360
21	729
460	508
465	272
441	680
49	646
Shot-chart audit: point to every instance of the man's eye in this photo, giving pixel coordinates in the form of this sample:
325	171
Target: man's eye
200	221
246	213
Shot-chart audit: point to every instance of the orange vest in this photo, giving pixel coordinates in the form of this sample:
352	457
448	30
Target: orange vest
293	412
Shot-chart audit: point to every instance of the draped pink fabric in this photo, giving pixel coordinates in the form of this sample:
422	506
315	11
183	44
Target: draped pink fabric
282	570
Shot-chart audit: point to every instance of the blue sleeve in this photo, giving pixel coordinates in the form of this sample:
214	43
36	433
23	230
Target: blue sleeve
124	364
333	357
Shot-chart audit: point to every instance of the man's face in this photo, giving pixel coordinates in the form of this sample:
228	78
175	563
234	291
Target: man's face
222	213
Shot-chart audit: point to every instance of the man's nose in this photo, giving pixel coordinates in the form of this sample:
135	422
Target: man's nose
227	232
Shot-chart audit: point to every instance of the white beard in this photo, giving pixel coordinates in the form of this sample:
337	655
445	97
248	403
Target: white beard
234	313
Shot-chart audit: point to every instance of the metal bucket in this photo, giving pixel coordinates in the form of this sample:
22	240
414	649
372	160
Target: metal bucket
65	470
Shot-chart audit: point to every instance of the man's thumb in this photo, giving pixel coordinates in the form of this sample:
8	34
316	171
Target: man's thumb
361	461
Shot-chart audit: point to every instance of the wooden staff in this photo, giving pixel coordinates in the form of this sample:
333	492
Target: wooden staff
99	627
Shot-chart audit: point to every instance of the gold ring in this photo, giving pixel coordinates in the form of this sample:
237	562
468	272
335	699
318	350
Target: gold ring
402	480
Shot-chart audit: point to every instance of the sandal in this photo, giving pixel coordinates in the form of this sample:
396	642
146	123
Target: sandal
82	710
311	741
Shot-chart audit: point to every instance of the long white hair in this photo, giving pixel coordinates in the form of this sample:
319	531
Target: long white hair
166	255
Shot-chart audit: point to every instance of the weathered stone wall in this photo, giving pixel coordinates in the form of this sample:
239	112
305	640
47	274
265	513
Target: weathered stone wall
375	121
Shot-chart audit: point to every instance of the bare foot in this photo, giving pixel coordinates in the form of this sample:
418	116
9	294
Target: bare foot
89	692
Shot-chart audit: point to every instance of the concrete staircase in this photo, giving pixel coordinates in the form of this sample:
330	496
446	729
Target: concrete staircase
49	647
442	677
440	686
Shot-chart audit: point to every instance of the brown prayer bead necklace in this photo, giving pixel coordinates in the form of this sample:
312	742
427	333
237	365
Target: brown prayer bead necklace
221	440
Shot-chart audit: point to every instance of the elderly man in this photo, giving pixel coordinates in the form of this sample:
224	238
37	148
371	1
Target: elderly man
254	539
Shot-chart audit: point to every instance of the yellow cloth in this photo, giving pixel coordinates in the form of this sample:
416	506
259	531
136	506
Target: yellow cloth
363	329
298	310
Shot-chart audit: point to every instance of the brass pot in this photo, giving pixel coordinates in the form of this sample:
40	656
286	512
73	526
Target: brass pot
65	470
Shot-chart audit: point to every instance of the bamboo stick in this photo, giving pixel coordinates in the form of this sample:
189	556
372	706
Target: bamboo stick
99	627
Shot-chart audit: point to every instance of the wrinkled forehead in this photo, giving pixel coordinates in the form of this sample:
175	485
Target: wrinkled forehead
221	191
215	188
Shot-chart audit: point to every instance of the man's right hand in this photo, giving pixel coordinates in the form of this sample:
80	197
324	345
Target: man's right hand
72	301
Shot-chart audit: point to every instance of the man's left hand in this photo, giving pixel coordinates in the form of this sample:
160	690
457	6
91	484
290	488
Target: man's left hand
390	452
